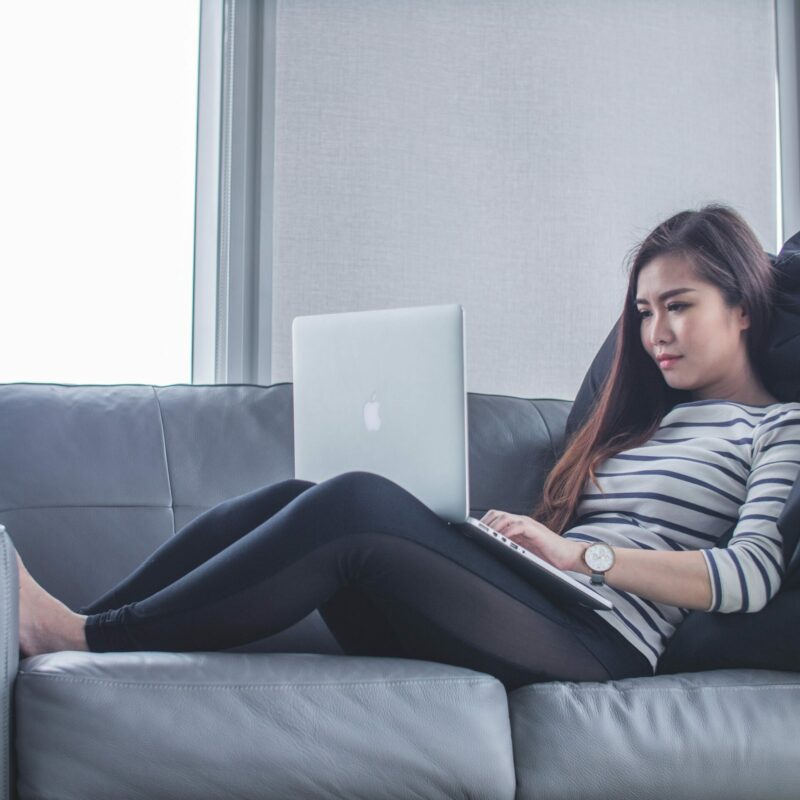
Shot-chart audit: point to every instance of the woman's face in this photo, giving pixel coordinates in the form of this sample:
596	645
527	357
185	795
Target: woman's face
694	325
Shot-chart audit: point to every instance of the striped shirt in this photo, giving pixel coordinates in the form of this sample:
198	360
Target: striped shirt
712	466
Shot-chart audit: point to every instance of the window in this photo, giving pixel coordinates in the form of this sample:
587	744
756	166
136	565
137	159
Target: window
97	157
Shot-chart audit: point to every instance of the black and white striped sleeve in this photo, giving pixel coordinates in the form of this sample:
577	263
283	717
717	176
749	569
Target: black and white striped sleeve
747	573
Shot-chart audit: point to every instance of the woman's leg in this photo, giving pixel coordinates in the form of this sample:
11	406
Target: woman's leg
203	537
390	578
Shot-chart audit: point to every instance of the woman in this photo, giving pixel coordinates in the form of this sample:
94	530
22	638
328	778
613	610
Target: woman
688	441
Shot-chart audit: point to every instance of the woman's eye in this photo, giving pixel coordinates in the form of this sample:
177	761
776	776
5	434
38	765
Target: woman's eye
670	307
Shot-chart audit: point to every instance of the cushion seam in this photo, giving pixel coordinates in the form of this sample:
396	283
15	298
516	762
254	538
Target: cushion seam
549	432
166	458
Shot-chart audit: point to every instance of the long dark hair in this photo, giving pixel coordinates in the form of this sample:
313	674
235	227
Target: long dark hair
723	250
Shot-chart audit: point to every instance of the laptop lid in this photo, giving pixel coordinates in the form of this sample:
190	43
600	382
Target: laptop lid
384	391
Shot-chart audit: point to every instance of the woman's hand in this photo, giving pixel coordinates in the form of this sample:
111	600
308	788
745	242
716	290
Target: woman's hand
540	540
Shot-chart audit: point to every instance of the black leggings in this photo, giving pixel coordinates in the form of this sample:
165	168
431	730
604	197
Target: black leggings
388	575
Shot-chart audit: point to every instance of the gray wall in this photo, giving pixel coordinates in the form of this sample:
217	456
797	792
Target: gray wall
506	156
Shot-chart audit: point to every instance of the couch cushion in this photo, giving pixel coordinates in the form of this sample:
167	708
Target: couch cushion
728	734
84	484
111	472
224	440
94	478
92	726
513	442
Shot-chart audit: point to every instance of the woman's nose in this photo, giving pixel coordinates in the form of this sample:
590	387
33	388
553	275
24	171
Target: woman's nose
659	329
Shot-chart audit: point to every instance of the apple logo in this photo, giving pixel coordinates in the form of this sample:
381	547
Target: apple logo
372	417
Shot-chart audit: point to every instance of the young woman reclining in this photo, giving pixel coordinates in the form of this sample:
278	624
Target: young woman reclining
659	482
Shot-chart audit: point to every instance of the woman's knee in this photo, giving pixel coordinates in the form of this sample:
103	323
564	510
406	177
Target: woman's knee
264	497
360	486
298	484
370	499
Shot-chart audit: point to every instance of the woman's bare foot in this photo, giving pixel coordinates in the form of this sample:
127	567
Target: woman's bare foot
46	625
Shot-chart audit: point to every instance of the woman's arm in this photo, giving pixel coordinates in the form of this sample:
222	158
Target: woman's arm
741	577
671	577
675	578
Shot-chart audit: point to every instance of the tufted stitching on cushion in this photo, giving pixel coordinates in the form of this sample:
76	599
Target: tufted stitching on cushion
227	687
663	689
81	506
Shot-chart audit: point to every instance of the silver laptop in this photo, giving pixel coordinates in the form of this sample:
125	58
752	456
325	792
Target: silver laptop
385	392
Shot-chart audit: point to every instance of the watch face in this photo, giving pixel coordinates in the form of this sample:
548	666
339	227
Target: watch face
599	557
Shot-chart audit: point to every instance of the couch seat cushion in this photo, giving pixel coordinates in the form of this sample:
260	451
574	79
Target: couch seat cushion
151	725
728	734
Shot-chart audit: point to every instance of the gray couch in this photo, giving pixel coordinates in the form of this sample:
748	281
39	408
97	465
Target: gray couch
93	478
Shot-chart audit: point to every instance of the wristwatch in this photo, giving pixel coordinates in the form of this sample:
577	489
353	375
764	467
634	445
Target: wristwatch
599	557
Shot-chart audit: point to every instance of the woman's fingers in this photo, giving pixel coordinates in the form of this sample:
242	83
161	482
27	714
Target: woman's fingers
501	522
494	518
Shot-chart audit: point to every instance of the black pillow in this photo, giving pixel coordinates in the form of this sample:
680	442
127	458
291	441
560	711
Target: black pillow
761	640
764	640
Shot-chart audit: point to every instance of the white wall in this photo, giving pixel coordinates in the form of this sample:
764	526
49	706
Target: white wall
507	156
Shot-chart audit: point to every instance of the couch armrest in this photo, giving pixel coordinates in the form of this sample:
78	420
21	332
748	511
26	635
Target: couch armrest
9	645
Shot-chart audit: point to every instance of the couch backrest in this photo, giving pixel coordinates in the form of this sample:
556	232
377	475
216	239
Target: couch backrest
94	478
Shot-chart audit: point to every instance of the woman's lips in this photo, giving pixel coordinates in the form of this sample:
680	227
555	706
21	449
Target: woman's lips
668	362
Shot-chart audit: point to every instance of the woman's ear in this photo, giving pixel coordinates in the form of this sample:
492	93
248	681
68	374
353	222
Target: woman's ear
743	318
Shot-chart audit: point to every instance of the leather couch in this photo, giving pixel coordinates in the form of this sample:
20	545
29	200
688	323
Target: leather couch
93	478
